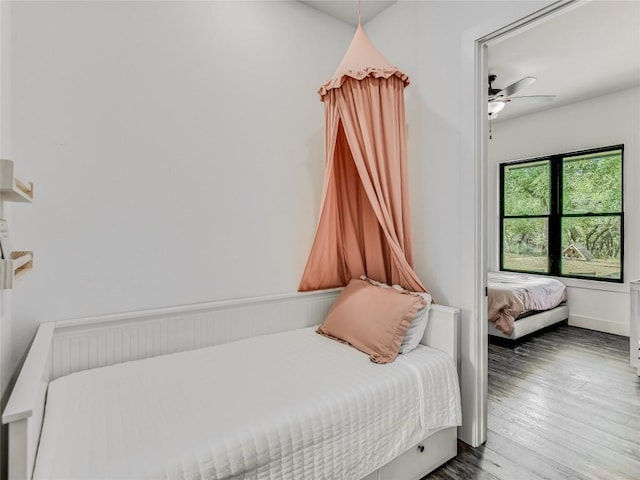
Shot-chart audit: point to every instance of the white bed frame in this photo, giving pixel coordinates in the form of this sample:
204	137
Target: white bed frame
63	347
533	323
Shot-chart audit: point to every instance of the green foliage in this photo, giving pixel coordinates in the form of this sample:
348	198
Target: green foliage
526	189
591	184
525	236
599	235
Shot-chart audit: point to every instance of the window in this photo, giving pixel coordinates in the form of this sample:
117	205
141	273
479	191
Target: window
562	215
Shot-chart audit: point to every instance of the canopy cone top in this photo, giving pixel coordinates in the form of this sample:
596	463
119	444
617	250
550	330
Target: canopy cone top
362	60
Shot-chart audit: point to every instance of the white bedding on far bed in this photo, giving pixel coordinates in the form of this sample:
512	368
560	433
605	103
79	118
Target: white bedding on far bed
287	405
511	295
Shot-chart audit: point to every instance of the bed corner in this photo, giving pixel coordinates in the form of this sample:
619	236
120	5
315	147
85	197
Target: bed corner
443	331
25	408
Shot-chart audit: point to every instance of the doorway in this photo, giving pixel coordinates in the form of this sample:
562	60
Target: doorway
487	180
483	233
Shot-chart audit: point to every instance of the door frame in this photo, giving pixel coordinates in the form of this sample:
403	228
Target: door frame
477	60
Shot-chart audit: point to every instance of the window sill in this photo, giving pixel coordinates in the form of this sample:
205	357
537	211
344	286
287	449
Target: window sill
584	284
594	285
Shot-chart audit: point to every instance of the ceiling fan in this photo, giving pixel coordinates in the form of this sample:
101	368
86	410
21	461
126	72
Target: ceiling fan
499	97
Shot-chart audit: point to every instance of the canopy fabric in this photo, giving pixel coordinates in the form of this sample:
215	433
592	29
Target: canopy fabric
364	226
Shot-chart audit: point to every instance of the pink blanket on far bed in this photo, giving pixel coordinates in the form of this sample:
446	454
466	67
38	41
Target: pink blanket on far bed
511	295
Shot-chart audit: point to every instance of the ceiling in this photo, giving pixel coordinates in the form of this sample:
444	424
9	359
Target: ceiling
347	10
589	49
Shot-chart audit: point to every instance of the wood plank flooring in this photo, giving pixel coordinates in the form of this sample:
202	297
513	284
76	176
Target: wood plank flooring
564	404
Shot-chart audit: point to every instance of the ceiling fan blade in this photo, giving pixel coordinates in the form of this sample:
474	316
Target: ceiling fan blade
517	86
543	98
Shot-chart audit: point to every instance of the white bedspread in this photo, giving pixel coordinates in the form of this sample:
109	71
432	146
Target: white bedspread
291	405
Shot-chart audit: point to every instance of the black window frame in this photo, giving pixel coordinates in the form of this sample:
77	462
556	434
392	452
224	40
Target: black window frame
555	215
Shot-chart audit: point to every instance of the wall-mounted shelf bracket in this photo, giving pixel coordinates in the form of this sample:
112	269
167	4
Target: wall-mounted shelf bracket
12	189
12	269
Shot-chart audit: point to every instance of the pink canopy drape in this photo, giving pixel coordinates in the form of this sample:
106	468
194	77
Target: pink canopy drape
364	226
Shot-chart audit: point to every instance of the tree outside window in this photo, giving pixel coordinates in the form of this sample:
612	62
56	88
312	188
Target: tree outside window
562	215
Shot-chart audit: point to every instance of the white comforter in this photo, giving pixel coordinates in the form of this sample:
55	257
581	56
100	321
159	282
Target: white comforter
291	405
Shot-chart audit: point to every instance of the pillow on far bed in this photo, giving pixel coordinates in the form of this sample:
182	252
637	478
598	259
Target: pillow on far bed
372	318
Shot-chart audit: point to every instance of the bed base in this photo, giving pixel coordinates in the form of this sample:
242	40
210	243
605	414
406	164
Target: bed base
533	323
420	459
63	347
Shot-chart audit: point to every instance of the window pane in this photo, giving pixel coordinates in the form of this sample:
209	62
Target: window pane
526	188
592	183
591	247
525	245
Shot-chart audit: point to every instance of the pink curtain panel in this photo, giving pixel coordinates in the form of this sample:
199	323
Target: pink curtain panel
364	226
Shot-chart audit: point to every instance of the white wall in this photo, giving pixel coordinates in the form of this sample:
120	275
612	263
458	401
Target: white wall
176	150
6	339
5	152
607	120
433	43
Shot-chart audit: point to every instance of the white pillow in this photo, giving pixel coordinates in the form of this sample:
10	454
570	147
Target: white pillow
416	329
418	325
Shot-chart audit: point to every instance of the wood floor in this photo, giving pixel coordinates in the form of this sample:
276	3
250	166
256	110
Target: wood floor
563	405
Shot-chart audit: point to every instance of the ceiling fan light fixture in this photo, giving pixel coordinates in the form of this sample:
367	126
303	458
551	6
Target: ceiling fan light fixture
495	107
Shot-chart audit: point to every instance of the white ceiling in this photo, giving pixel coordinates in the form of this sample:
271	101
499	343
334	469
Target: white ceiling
347	10
590	49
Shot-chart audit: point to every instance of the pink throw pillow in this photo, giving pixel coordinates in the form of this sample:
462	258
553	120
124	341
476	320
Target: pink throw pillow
372	319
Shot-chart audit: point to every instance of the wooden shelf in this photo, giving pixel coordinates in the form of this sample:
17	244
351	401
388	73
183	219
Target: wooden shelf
12	189
10	270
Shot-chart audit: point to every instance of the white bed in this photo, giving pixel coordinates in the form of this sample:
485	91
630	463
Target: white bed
365	421
521	304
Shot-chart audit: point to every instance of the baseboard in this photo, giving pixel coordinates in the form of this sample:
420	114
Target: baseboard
599	324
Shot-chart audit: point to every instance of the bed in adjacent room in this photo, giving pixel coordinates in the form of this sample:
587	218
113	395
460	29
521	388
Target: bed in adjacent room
520	304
